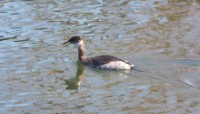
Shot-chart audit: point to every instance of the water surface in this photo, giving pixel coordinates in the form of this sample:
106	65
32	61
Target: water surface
39	75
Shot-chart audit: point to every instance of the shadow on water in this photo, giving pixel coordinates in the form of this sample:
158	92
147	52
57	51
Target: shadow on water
74	83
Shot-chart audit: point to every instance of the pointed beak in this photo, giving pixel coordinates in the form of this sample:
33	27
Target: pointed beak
65	43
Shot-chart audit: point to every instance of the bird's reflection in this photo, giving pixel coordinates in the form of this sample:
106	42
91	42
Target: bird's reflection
74	83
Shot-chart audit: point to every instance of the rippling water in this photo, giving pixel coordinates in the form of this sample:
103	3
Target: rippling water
39	75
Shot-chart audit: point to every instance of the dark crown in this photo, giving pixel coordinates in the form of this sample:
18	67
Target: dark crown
74	39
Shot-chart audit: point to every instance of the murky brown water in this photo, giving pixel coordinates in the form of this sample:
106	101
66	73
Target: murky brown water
39	75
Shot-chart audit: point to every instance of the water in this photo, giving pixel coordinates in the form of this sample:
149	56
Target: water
39	75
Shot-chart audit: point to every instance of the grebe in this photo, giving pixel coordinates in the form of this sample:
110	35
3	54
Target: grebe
99	62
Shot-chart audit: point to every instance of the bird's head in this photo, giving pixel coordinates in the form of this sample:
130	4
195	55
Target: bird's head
74	40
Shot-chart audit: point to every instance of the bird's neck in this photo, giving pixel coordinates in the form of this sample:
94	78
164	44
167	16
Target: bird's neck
81	52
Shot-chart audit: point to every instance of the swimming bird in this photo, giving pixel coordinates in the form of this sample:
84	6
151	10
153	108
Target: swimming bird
99	62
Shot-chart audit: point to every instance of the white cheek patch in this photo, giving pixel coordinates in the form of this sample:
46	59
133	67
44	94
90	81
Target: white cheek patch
116	65
79	44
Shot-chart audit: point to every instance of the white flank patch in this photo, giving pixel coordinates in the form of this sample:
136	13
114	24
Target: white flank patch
119	65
